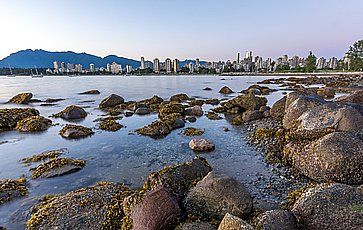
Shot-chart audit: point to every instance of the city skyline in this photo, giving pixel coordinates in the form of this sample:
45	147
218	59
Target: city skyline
211	31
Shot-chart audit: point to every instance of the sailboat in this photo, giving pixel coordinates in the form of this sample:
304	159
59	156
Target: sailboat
11	72
37	74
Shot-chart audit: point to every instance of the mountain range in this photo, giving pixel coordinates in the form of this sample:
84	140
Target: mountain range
44	59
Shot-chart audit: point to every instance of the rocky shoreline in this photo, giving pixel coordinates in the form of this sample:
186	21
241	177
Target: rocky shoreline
313	141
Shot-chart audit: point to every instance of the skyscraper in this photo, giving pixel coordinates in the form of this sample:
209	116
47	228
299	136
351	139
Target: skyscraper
168	66
156	65
238	58
142	63
92	68
176	65
249	55
191	67
56	65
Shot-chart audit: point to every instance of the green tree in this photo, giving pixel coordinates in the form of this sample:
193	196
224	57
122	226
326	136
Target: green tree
311	63
355	55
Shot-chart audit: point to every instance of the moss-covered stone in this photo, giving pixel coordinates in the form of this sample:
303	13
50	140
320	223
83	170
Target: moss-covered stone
294	195
190	131
72	112
241	103
44	156
75	131
179	97
110	125
10	117
10	189
213	116
171	108
21	98
34	124
57	167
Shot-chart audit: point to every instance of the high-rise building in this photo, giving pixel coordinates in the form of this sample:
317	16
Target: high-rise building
176	66
156	65
168	65
321	63
115	68
249	55
191	67
333	63
78	68
56	65
92	68
128	69
142	63
238	58
108	67
148	65
197	63
63	67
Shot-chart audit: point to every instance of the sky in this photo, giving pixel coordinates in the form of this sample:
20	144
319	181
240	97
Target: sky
206	29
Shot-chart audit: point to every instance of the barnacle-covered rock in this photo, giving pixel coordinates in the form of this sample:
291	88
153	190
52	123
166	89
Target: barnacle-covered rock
34	124
57	167
11	189
75	131
10	117
44	156
21	98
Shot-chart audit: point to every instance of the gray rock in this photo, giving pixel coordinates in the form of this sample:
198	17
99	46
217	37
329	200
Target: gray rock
57	167
201	145
252	115
111	101
217	195
72	112
356	97
194	111
276	220
75	131
330	206
277	111
143	111
231	222
91	92
195	225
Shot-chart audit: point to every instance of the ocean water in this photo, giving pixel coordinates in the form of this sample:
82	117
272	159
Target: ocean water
123	156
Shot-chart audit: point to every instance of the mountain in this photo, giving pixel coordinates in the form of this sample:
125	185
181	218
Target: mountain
44	59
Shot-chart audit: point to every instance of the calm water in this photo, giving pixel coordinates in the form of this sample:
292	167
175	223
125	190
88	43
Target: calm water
123	156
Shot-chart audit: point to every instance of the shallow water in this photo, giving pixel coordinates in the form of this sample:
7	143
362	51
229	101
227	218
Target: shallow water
124	156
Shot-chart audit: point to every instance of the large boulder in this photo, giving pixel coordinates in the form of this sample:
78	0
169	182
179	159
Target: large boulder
10	117
252	115
34	124
276	220
241	104
57	167
21	98
337	157
72	112
225	90
216	195
277	111
111	101
330	206
356	97
196	111
171	108
75	131
201	145
296	105
231	222
157	210
96	207
331	116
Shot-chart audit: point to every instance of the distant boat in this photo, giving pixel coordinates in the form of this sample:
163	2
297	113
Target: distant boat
37	75
11	72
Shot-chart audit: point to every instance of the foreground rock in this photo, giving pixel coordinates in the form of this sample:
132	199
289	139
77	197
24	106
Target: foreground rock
195	225
111	101
75	131
44	156
72	112
277	111
11	189
225	90
334	206
201	145
157	210
356	97
96	207
335	157
276	220
217	195
93	91
10	117
33	124
21	98
57	167
231	222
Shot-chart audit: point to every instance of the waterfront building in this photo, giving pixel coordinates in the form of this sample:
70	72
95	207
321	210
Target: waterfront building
70	67
108	67
333	63
56	65
176	65
115	68
148	65
156	65
191	67
128	69
63	67
249	55
142	62
197	63
294	62
78	68
321	63
168	65
92	68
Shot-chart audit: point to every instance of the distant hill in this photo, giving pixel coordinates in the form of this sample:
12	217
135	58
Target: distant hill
44	59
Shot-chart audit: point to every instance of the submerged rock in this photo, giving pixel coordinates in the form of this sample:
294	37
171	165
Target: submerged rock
11	189
72	112
212	101
202	145
111	101
93	91
53	100
157	210
231	222
217	195
10	117
190	131
208	89
330	206
57	167
75	131
225	90
276	220
33	124
96	207
21	98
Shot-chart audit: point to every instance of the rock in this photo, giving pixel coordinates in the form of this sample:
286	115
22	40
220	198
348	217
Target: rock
35	101
196	102
158	210
53	100
195	225
207	89
335	157
331	116
33	124
179	97
202	145
93	91
326	92
11	189
276	220
96	207
194	111
191	119
277	111
143	111
44	156
110	125
296	105
225	90
190	131
252	115
156	129
10	117
217	195
155	100
264	109
21	98
231	222
356	97
72	112
213	116
57	167
330	206
111	101
241	104
258	90
212	101
171	108
128	113
75	131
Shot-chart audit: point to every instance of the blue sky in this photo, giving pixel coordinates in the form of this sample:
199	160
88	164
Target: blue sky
208	29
